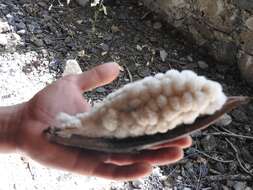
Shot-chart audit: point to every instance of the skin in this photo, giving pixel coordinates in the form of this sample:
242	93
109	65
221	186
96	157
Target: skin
22	126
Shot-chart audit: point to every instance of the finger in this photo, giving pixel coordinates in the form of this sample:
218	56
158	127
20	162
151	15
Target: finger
184	142
63	157
98	76
153	157
129	172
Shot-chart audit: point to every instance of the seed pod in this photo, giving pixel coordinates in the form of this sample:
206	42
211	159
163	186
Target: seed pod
149	106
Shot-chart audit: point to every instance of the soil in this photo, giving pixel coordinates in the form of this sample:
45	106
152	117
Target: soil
47	33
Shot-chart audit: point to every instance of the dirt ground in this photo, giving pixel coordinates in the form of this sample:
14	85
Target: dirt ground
220	158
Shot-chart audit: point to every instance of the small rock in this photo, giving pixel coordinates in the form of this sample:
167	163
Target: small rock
157	172
189	58
138	47
20	26
71	67
15	38
31	28
108	37
220	167
168	182
239	185
187	188
10	18
48	41
115	28
153	39
230	183
82	2
225	120
104	47
209	143
23	31
36	41
42	4
246	67
157	25
79	21
3	40
68	40
248	188
101	90
224	187
202	65
249	23
239	115
138	183
247	156
4	27
55	65
163	55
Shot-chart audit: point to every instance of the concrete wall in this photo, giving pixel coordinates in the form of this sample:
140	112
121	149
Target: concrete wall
224	27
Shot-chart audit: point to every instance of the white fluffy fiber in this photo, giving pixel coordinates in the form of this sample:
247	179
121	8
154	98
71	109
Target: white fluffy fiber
152	105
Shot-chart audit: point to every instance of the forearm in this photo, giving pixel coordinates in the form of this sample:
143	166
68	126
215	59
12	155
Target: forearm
10	118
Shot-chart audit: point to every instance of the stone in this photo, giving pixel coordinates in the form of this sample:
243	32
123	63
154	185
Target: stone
36	41
239	185
138	47
249	23
101	90
4	27
104	47
209	143
115	28
224	187
20	26
202	65
157	25
138	183
163	55
48	41
71	67
224	121
3	40
10	18
247	156
189	58
245	65
82	2
23	31
239	115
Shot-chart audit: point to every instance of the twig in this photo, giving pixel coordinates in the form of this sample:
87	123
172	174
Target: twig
215	159
176	61
214	171
145	15
237	177
28	167
230	135
238	157
129	73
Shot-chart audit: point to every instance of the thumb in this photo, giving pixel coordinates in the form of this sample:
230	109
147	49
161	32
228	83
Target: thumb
98	76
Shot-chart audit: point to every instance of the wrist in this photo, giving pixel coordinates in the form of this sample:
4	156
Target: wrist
10	120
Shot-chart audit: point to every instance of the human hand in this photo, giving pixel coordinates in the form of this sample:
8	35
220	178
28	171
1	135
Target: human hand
65	95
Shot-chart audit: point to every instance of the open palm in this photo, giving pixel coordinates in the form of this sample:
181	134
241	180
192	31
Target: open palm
65	95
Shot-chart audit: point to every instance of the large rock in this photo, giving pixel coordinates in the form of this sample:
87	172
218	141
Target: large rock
223	27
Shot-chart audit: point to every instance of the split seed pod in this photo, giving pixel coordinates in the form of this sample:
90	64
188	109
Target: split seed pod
142	110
